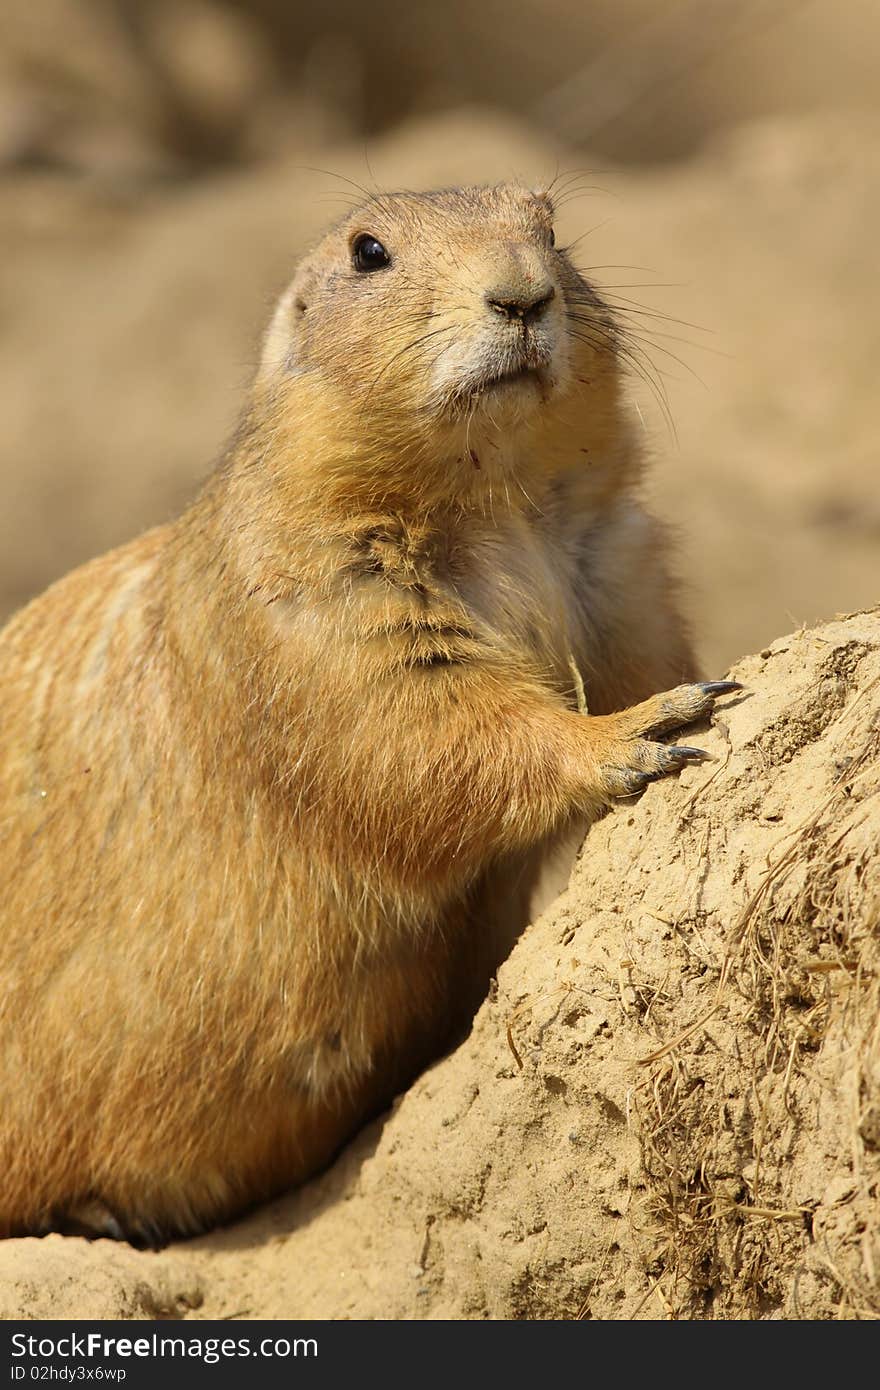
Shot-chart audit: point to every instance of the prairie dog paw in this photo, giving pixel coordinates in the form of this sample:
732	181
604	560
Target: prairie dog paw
643	762
673	708
632	759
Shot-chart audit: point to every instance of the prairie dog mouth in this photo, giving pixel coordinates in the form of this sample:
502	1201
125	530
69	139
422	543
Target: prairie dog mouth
519	383
532	366
510	377
521	375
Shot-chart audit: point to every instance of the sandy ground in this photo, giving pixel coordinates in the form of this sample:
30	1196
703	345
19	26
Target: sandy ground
711	1181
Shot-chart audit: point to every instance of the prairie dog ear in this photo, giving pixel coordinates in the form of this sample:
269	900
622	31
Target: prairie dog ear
284	338
543	197
278	339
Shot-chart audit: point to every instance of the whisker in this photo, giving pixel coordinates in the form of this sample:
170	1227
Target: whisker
408	347
645	338
633	308
636	359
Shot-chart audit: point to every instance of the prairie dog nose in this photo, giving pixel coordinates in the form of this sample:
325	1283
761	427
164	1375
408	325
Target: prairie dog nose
520	303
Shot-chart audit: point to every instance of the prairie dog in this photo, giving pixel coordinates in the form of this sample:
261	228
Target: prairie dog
260	768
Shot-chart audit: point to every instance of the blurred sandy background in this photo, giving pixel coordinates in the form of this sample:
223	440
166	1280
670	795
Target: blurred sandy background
163	162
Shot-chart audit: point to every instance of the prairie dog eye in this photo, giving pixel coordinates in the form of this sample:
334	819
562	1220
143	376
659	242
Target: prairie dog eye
552	237
369	254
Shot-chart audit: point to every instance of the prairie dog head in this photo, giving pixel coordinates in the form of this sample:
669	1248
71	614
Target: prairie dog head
449	316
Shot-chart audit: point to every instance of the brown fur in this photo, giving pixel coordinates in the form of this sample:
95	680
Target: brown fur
262	766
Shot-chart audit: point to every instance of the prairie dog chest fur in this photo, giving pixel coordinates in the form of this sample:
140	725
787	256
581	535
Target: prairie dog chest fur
450	589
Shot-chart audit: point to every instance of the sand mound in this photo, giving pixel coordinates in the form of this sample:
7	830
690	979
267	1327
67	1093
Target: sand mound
670	1107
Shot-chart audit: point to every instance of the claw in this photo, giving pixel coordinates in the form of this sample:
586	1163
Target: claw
689	755
636	781
719	687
